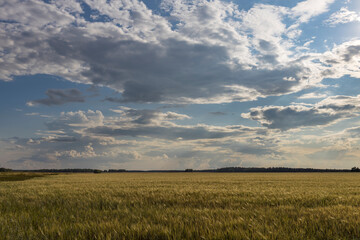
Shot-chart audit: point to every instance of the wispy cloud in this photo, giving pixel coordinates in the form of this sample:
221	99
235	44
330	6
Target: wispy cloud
313	95
344	15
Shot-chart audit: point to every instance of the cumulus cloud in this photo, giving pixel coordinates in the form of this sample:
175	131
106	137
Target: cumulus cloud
343	59
87	153
325	112
76	119
203	52
59	97
307	9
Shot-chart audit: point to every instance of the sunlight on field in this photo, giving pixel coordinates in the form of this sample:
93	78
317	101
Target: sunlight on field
182	206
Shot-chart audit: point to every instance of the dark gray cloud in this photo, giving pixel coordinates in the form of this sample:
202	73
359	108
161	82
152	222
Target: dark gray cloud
171	70
59	97
266	45
325	112
351	52
285	118
147	116
142	116
162	132
269	58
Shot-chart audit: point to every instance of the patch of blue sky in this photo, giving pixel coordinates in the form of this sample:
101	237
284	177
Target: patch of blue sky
339	126
93	15
153	5
324	36
345	85
18	119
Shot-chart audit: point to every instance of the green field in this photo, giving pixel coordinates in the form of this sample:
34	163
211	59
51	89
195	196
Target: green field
180	206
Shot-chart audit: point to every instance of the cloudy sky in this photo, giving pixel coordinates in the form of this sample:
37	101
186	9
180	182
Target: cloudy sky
174	84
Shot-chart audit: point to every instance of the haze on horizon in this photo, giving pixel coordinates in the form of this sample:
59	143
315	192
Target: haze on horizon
177	84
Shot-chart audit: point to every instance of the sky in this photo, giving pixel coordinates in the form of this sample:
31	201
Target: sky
175	84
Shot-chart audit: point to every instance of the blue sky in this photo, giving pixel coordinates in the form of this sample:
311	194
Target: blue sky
179	84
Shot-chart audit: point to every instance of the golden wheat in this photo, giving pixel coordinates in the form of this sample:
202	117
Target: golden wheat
182	206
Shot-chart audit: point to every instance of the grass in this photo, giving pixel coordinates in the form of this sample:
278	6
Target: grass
20	176
182	206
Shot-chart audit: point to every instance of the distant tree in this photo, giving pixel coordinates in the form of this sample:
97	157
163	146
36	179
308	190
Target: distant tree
355	169
116	170
189	170
97	171
5	170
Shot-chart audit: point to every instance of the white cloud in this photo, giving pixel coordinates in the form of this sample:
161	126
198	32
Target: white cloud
308	43
35	13
265	21
310	8
344	15
343	59
313	95
87	153
77	119
32	114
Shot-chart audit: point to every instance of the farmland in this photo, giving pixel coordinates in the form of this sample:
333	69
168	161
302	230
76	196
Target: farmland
180	206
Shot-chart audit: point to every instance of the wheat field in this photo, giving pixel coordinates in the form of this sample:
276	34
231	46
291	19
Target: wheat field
180	206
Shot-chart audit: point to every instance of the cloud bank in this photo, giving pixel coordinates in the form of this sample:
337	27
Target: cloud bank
204	52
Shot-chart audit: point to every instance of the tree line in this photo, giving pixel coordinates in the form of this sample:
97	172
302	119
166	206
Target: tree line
225	169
